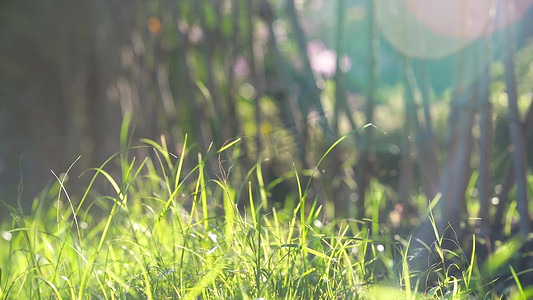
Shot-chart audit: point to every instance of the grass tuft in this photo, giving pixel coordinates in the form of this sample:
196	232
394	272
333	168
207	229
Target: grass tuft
167	232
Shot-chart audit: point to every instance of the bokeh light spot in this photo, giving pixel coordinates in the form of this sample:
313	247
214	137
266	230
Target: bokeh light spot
154	25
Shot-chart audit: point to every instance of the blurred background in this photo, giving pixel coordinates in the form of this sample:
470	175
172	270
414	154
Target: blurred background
448	84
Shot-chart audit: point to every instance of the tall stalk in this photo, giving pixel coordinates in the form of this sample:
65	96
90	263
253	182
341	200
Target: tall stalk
338	78
289	112
527	127
518	156
339	191
485	138
366	156
430	165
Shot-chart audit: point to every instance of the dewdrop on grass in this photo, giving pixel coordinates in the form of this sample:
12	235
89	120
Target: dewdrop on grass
212	236
7	235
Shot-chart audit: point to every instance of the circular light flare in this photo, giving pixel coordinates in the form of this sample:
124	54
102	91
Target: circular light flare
437	28
454	18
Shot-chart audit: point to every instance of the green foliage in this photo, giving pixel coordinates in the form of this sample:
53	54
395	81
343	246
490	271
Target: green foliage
167	232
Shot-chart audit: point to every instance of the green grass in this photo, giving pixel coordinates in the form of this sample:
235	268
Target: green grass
170	233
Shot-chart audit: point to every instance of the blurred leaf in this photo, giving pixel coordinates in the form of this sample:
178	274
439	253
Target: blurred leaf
210	16
502	255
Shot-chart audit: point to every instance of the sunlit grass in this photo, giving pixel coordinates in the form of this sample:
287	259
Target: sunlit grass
171	233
